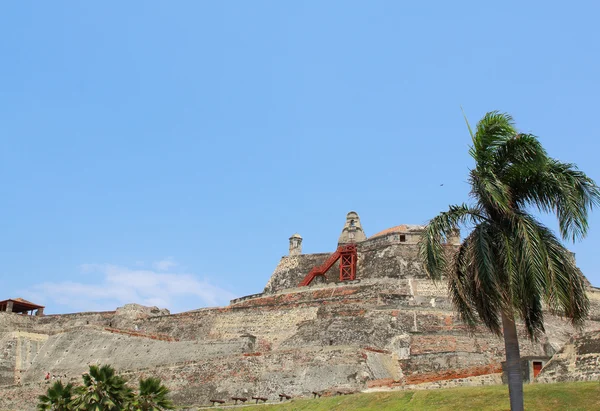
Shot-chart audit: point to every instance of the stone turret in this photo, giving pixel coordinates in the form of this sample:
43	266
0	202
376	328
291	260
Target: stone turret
352	231
296	244
454	238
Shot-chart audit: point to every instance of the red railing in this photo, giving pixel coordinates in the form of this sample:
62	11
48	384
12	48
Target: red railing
347	253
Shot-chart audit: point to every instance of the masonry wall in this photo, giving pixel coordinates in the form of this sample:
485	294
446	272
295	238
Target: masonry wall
578	360
63	353
370	334
8	351
380	257
391	327
292	269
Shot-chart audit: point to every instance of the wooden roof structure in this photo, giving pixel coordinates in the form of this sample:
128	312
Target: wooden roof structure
19	305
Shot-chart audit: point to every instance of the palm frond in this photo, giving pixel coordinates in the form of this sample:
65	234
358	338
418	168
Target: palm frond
518	156
434	238
153	395
491	193
529	280
103	389
546	271
468	125
487	293
562	189
459	286
564	285
491	131
575	194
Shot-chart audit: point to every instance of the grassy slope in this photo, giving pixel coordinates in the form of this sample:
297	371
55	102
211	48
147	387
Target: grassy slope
539	397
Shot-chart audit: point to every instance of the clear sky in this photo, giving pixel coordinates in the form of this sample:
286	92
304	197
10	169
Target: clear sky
163	152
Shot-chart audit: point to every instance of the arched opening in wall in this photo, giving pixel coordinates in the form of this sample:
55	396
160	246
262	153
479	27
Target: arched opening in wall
537	368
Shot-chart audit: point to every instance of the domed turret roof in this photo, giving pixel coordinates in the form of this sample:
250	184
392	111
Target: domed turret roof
404	228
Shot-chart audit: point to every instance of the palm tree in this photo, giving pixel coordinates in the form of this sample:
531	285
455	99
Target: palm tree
57	398
103	390
152	396
510	267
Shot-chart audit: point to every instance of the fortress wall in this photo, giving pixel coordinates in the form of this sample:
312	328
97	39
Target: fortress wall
341	345
199	325
384	257
18	345
72	352
12	321
28	346
8	353
345	326
190	326
269	326
312	296
380	330
370	291
280	318
292	269
49	324
427	288
297	372
19	348
578	360
381	257
437	354
594	296
21	397
61	321
376	311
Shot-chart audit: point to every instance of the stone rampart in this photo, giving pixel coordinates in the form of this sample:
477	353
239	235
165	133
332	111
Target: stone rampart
292	269
19	348
391	327
63	354
578	360
377	258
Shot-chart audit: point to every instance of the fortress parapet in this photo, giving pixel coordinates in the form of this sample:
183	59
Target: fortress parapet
390	253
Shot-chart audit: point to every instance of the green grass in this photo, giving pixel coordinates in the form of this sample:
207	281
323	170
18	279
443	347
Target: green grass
538	397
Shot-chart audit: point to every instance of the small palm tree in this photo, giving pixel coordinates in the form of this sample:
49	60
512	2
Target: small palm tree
58	398
152	396
510	265
103	390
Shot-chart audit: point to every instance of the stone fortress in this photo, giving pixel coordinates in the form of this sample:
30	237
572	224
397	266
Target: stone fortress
364	317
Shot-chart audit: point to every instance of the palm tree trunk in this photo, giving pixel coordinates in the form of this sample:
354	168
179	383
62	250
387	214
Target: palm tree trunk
513	362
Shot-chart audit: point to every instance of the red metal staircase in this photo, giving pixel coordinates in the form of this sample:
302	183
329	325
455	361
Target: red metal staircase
347	256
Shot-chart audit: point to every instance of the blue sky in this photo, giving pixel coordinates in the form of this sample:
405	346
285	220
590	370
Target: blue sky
163	152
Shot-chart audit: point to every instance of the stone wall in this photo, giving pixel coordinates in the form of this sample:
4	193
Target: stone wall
578	360
295	372
372	333
18	345
390	259
8	352
392	327
291	270
63	354
380	257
